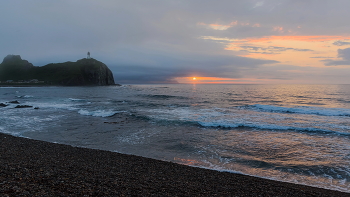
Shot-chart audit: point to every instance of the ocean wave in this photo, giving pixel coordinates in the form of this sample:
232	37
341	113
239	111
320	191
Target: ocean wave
52	105
99	113
161	97
13	133
229	118
25	96
76	100
300	110
228	125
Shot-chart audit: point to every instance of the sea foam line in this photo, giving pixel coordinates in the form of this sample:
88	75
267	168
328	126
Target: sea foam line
99	113
270	127
300	110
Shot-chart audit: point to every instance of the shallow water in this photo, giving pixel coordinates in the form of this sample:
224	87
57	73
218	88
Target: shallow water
292	133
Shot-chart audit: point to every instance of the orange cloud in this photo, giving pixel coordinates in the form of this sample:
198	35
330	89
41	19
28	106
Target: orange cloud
278	29
297	38
215	26
276	38
225	27
219	80
214	79
295	50
219	27
256	25
233	23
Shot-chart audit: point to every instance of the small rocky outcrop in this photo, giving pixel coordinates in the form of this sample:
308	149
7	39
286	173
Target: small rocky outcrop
23	106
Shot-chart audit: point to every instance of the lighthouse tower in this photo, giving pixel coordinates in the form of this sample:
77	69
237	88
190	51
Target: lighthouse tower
88	55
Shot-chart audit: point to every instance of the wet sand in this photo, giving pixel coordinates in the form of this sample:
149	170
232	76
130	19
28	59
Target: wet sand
36	168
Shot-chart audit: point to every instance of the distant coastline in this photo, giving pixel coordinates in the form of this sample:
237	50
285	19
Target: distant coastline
44	85
85	72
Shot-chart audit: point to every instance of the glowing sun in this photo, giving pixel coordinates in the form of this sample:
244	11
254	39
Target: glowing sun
194	78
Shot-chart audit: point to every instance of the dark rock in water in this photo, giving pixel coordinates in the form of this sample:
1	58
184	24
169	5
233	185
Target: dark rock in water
36	107
14	102
2	105
23	106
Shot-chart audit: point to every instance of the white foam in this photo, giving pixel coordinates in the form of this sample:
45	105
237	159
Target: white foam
76	99
263	126
233	118
3	130
98	113
303	110
25	96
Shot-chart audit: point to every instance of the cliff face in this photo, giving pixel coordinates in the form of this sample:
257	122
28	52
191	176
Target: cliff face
80	73
14	68
96	72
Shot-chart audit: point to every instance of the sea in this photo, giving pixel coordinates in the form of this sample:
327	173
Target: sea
291	133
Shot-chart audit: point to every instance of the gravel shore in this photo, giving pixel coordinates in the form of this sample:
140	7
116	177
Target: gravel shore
36	168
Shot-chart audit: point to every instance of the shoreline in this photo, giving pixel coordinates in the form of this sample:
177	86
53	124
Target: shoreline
33	167
41	85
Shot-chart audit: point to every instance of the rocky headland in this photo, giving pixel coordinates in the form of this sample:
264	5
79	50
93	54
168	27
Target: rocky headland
84	72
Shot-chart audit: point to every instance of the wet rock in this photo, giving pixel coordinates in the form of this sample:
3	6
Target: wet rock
2	105
14	102
23	106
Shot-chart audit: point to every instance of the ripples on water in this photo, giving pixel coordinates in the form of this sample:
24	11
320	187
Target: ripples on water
294	133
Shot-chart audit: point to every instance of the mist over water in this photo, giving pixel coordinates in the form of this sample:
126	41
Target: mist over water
292	133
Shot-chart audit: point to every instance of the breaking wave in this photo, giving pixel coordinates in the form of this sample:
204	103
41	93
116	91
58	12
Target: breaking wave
270	127
300	110
99	113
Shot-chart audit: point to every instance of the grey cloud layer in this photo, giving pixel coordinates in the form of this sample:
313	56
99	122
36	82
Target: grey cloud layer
343	54
271	49
341	43
154	40
165	67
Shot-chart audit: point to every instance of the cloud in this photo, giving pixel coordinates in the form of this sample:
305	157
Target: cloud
291	74
258	4
269	50
215	26
343	54
222	27
155	67
341	43
158	41
322	57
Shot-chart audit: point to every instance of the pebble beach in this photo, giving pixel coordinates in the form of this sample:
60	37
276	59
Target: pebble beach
36	168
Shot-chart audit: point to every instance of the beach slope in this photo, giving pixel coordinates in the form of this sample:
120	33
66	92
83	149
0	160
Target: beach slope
36	168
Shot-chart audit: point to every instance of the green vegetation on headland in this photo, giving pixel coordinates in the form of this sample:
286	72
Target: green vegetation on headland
85	72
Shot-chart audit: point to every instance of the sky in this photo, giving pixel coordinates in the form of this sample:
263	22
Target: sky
164	41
